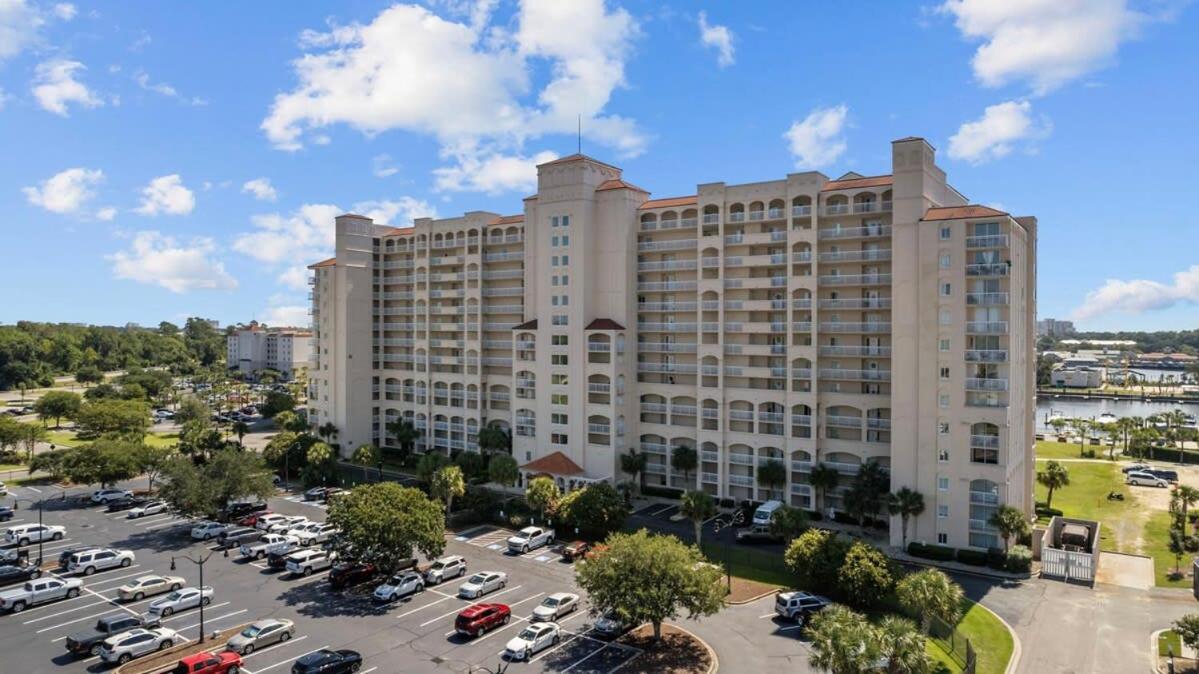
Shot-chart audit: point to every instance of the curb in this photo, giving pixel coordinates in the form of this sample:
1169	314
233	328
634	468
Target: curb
752	599
1017	648
712	652
1153	654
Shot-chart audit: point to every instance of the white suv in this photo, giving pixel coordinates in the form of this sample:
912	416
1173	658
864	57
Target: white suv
445	569
103	496
304	562
101	559
24	534
206	530
135	643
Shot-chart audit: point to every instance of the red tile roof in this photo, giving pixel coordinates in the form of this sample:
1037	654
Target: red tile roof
554	464
619	184
670	202
577	157
857	183
527	325
324	263
508	219
400	231
604	324
960	212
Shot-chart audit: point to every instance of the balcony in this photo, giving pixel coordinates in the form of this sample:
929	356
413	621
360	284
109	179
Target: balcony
503	257
992	241
665	265
986	355
872	327
867	232
799	373
664	286
497	344
856	351
741	459
855	279
670	368
984	498
654	447
847	468
710	478
843	422
986	327
503	292
986	299
599	429
801	420
653	408
496	361
988	269
857	303
666	327
599	387
800	211
878	423
985	441
741	480
655	468
675	244
666	306
737	217
504	309
986	384
770	417
856	255
503	274
801	326
845	374
599	347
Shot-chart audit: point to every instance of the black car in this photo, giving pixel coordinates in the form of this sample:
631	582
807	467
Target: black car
20	573
64	556
5	513
125	503
277	560
236	511
346	574
232	538
1167	475
88	642
326	661
757	534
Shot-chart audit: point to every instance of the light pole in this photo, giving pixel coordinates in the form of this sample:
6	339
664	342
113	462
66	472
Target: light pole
733	520
41	536
200	563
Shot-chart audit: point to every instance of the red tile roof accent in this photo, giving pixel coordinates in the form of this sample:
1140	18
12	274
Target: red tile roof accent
619	184
960	212
670	202
554	464
604	324
400	231
527	325
577	157
324	263
507	219
857	183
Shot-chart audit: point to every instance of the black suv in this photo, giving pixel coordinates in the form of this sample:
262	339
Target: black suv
10	574
88	643
345	574
238	510
232	538
326	661
125	503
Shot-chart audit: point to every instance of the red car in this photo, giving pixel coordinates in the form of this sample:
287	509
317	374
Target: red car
222	662
473	621
251	520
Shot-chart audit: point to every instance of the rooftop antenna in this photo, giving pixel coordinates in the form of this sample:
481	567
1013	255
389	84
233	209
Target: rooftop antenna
580	147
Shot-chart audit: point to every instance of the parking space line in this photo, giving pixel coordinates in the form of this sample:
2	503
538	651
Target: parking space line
128	575
284	662
143	521
211	620
210	607
489	597
70	610
159	525
113	602
587	657
273	647
515	619
421	608
94	615
301	580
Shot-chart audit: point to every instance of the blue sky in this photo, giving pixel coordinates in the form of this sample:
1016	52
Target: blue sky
172	159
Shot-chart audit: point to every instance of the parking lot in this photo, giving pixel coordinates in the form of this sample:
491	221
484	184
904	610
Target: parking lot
412	635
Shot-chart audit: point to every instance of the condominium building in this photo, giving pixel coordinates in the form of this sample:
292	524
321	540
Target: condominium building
798	322
1052	327
255	348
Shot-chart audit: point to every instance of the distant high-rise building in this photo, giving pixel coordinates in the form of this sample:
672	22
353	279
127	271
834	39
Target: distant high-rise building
1052	327
256	348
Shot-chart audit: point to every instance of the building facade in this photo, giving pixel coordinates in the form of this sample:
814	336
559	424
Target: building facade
255	348
795	322
1052	327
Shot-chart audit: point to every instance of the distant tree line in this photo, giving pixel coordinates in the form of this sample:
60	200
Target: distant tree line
1179	341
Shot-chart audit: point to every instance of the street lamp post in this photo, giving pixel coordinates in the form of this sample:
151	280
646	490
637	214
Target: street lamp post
200	563
733	520
16	502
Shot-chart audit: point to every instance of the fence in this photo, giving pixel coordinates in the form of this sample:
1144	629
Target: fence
953	644
767	567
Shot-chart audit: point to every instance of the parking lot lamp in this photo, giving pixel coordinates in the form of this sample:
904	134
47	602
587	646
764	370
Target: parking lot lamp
200	563
733	520
16	502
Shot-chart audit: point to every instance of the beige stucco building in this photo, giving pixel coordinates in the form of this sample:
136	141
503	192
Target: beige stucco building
255	348
802	320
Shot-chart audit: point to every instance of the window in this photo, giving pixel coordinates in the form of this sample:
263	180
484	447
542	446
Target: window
559	340
554	241
942	511
566	221
943	345
943	455
558	319
565	260
566	240
942	484
945	261
554	261
559	419
554	280
945	373
984	455
565	280
943	400
559	399
945	289
945	317
942	538
558	380
943	427
554	300
559	359
554	221
945	233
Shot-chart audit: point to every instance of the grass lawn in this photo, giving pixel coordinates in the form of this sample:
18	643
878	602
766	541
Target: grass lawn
61	438
67	438
1052	449
1169	640
1086	498
990	637
162	439
1157	540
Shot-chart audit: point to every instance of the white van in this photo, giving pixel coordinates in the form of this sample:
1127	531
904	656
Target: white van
766	511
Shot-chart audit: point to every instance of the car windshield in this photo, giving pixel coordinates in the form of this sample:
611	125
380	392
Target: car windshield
251	631
478	579
550	602
437	566
174	596
528	634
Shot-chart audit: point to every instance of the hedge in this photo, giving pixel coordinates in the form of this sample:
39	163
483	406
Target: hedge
1049	512
663	492
939	553
972	557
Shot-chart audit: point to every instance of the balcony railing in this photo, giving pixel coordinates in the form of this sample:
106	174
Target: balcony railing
870	231
741	459
599	429
738	216
986	327
666	327
986	299
878	423
840	467
860	351
986	384
984	498
801	420
503	257
868	326
991	241
676	244
653	408
599	347
503	292
855	375
667	347
599	387
987	269
672	368
856	255
662	286
666	306
857	303
661	265
986	355
800	211
985	441
855	279
843	422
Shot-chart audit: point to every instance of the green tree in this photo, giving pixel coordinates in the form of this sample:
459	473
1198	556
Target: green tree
633	463
429	464
1010	522
203	490
1177	547
199	439
930	594
290	421
56	405
902	646
815	557
823	479
906	503
473	465
385	524
446	485
865	575
595	510
699	507
366	456
788	523
240	429
1081	428
104	462
1054	477
772	474
542	495
152	460
503	469
89	374
1187	629
10	434
650	578
127	419
405	435
192	408
275	403
491	439
320	464
31	434
1187	496
328	431
842	642
684	459
51	462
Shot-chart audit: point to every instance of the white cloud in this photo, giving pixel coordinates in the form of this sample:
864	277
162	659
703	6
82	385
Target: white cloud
294	277
106	214
993	135
261	188
1047	43
67	192
1139	295
493	173
164	89
3	98
398	213
65	11
467	84
289	315
20	24
818	139
179	267
382	167
303	237
55	86
717	37
167	195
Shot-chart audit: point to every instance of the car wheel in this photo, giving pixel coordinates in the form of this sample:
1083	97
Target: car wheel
165	645
207	536
167	611
175	586
524	549
232	670
95	650
57	536
72	593
89	570
505	620
18	607
37	573
125	657
248	649
139	596
126	562
307	571
284	637
259	555
478	633
23	541
556	638
206	601
356	666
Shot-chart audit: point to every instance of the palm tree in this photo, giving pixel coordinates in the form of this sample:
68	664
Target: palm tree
1058	423
1187	496
1176	421
1081	427
930	594
1125	426
698	507
240	428
1055	476
902	646
1010	522
684	459
842	641
823	478
494	439
405	434
447	484
907	503
772	474
365	456
327	430
634	464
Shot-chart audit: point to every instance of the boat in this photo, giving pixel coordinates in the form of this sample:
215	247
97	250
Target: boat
1107	418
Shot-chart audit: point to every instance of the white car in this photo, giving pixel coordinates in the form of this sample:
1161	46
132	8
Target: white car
305	562
481	583
269	520
1142	478
146	509
24	534
531	640
3	489
400	585
288	523
103	496
530	538
313	532
206	530
267	544
99	559
135	643
144	586
445	569
555	606
188	597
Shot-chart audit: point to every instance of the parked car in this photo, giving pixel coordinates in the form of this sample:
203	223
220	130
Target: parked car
759	533
3	489
251	519
241	509
1144	479
326	661
179	600
313	532
126	646
1170	476
88	642
148	508
798	606
609	625
145	586
64	556
207	529
346	574
265	522
40	591
116	505
267	544
444	569
305	562
219	662
532	639
555	606
103	496
100	559
474	620
481	583
1135	466
287	523
11	574
277	560
24	534
261	634
231	538
399	586
6	513
575	550
530	538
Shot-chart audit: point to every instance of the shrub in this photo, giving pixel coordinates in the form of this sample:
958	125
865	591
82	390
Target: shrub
1019	559
1191	543
814	515
972	557
1049	512
663	492
727	503
935	552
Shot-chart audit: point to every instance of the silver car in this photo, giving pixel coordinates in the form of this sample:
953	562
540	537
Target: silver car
135	643
188	597
145	586
261	634
555	606
481	583
147	509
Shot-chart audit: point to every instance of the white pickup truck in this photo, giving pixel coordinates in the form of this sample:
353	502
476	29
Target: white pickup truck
530	538
39	591
267	544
